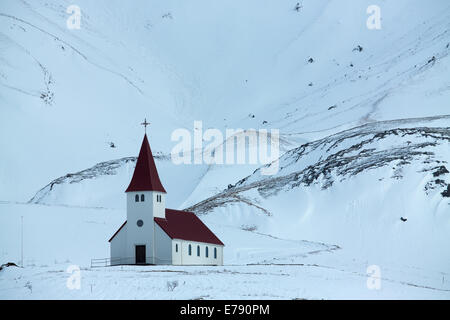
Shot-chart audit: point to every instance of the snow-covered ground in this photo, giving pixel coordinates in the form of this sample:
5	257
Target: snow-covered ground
364	132
257	265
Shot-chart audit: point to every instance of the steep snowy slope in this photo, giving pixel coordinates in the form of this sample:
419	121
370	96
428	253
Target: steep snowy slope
104	184
380	190
66	94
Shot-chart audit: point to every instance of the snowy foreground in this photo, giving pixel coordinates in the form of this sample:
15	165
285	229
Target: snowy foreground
257	266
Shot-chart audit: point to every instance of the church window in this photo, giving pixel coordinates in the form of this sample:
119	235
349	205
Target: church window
142	198
140	223
190	250
198	251
176	247
206	252
215	253
136	198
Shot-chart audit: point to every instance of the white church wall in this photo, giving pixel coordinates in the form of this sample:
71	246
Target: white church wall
176	252
118	246
163	249
220	255
141	210
159	207
183	258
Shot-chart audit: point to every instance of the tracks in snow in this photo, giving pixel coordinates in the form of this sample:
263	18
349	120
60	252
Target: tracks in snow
77	51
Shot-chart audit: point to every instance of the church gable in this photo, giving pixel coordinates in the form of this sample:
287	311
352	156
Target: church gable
117	232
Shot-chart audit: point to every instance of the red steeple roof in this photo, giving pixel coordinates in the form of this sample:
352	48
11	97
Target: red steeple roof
145	176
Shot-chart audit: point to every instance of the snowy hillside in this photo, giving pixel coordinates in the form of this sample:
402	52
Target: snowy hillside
104	184
364	129
374	189
221	63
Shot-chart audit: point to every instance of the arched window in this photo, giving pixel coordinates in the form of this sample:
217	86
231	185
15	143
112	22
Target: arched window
176	247
190	250
136	198
198	251
206	251
215	253
142	198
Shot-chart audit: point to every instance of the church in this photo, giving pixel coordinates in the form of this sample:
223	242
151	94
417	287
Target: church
154	234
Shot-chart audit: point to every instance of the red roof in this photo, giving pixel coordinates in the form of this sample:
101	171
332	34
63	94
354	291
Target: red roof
145	176
186	225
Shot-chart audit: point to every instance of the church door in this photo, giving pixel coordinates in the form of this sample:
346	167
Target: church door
140	254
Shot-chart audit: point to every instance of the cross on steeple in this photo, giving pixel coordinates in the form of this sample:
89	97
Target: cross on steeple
145	124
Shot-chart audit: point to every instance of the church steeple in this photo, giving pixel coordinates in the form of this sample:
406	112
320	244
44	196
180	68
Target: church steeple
145	176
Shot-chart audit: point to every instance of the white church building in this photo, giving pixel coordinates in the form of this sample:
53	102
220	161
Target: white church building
153	234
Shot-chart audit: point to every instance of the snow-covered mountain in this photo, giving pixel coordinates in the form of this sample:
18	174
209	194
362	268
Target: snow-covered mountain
362	114
375	188
220	63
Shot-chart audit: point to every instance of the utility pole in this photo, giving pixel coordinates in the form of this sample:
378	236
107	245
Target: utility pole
21	241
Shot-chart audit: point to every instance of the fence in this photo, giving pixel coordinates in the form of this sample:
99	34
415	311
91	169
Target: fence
108	262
